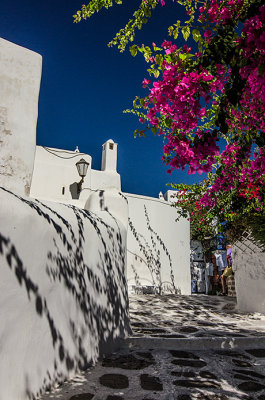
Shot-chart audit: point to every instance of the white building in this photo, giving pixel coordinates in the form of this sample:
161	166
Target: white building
157	245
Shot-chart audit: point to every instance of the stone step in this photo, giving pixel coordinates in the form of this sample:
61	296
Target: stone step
205	343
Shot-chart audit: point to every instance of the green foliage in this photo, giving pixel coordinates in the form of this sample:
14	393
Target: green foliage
126	34
93	7
140	17
186	199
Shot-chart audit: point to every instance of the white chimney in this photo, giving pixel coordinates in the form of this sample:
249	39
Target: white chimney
109	156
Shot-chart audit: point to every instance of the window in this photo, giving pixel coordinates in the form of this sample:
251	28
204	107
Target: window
111	146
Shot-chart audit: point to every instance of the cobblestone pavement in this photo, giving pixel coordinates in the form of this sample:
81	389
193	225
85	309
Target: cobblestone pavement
192	316
175	373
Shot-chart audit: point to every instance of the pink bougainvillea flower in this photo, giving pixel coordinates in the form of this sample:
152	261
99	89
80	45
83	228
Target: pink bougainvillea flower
146	82
207	33
186	49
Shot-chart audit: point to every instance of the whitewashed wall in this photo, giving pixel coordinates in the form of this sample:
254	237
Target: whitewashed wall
20	74
55	176
158	247
63	288
63	291
54	173
249	268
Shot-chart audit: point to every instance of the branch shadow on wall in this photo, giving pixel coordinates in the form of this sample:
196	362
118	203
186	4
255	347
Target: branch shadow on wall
66	265
151	248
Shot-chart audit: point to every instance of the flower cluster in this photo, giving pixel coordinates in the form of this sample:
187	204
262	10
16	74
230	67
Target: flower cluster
220	12
178	97
242	174
252	45
198	101
186	153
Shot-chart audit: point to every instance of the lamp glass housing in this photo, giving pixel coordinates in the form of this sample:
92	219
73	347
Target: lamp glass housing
82	167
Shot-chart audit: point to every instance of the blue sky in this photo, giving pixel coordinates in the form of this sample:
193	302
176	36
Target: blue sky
86	85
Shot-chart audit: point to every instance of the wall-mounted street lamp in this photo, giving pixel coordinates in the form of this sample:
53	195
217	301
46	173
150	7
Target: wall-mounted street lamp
82	167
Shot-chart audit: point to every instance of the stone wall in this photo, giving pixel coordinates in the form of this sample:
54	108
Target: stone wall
249	267
231	286
63	290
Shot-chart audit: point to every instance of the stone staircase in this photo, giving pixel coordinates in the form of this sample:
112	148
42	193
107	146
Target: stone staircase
182	348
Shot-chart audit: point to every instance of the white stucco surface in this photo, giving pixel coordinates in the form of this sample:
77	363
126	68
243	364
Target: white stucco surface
55	176
105	179
249	269
109	156
20	74
54	173
63	291
63	286
158	247
110	200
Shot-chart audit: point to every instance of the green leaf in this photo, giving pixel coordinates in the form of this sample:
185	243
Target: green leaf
177	24
196	35
168	58
148	13
142	102
185	32
176	33
154	129
170	30
183	56
133	50
168	122
156	73
159	59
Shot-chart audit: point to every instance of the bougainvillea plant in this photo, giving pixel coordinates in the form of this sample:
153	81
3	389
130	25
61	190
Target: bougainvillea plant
207	98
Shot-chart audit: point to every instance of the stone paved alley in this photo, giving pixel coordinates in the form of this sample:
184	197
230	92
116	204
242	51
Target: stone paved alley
181	348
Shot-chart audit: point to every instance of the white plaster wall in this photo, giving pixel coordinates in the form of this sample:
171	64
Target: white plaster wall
105	179
249	268
20	74
55	169
110	200
63	291
158	247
